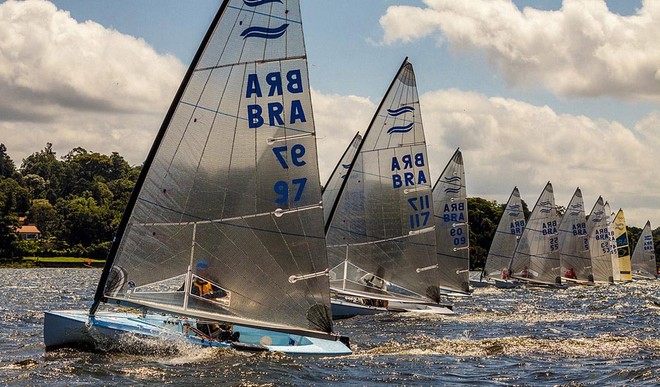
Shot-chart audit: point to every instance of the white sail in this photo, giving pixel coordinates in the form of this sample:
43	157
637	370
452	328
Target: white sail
614	254
509	230
622	246
599	243
380	236
451	226
574	254
643	259
232	184
537	255
332	188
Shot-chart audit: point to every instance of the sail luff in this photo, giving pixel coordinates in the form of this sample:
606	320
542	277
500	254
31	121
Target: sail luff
599	243
451	226
575	258
98	296
537	255
330	192
504	243
623	247
643	260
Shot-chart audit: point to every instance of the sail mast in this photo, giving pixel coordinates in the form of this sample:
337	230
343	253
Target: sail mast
98	296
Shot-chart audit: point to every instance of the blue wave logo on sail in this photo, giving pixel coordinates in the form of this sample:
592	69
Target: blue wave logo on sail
264	32
575	213
400	111
545	210
576	206
346	166
401	129
452	190
452	179
256	3
648	237
514	214
514	207
545	203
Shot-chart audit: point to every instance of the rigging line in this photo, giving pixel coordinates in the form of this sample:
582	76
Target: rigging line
242	118
210	221
270	16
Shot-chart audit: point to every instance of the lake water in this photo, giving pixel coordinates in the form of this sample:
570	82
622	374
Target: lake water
603	335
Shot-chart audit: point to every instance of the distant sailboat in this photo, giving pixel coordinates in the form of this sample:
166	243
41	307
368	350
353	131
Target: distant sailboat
643	261
614	253
332	188
536	259
224	227
599	243
380	232
574	254
509	230
622	245
451	228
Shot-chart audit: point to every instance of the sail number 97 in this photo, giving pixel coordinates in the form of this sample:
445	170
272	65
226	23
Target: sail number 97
294	159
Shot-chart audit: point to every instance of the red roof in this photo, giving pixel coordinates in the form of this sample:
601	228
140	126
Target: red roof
28	230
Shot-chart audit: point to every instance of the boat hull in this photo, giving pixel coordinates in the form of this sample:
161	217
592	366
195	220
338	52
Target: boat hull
342	309
422	308
74	328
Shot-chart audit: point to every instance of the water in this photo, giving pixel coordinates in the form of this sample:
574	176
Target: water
590	336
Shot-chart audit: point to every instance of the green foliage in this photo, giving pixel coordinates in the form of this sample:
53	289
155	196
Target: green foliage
7	167
483	217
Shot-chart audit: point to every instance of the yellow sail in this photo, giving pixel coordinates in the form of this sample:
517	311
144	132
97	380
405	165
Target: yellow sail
621	235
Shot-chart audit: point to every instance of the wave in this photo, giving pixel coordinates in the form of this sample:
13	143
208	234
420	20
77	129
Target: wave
264	32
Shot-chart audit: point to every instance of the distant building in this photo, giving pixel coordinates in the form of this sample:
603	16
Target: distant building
29	232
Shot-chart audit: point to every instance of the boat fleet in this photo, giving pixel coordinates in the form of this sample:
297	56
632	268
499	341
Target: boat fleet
557	250
230	239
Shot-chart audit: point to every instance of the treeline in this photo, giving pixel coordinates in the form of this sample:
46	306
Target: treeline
77	201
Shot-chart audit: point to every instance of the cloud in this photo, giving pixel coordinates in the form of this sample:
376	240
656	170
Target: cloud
337	119
507	142
78	84
581	50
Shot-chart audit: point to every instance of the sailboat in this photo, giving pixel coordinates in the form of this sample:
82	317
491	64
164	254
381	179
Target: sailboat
614	253
623	249
643	258
536	260
599	243
451	228
224	227
380	232
332	188
574	254
509	230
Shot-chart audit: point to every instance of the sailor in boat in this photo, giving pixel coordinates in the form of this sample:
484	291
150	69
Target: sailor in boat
374	281
525	273
202	287
505	273
570	273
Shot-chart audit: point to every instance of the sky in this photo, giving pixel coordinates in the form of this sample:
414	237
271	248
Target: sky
566	91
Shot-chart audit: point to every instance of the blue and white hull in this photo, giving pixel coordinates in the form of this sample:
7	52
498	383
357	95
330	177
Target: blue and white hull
74	328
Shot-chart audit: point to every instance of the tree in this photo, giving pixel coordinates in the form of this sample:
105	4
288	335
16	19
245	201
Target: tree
44	215
45	164
483	217
7	167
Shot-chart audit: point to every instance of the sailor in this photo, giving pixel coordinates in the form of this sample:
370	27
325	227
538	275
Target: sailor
505	273
570	273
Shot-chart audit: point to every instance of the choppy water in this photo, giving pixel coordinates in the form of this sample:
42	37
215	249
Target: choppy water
591	336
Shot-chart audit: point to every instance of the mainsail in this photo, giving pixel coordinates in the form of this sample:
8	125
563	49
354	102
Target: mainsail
332	188
380	234
537	255
451	226
509	231
623	249
231	183
574	254
614	253
599	243
643	258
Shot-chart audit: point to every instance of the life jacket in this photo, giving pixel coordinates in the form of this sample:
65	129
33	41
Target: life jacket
201	288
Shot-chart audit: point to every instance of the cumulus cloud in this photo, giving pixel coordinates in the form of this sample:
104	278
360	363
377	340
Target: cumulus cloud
507	142
78	84
337	119
582	49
